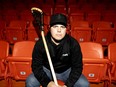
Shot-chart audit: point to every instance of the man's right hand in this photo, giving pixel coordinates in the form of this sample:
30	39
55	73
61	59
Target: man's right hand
52	84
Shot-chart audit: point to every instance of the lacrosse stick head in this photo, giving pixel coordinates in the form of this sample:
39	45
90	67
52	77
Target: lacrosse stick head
38	17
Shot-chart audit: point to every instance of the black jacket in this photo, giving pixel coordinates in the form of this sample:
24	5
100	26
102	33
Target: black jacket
67	54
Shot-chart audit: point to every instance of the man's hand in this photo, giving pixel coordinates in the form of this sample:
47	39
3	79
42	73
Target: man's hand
52	84
62	86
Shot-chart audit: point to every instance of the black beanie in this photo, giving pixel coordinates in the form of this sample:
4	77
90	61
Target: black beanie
58	19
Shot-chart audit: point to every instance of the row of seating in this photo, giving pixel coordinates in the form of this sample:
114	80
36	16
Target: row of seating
102	32
74	12
92	15
22	60
18	65
27	2
85	12
22	11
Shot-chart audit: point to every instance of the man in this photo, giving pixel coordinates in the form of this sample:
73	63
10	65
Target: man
65	54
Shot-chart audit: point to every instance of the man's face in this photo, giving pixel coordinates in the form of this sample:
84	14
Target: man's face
58	31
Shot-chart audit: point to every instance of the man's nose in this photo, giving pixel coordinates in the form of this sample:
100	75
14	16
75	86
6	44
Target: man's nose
59	29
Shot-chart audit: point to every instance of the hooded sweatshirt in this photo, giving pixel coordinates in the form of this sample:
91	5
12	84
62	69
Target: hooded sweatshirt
64	56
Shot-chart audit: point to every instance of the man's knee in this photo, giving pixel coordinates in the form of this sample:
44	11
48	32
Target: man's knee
85	84
31	81
82	82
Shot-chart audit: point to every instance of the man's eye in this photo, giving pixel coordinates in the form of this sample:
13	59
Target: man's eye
54	26
62	26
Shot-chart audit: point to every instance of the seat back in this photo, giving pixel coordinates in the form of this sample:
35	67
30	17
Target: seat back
109	16
81	31
2	28
23	48
93	60
73	8
112	58
4	52
86	7
18	23
92	50
115	32
111	51
81	23
47	9
103	32
100	7
82	34
19	6
93	16
11	14
77	16
46	23
15	31
19	64
72	2
26	15
32	32
60	9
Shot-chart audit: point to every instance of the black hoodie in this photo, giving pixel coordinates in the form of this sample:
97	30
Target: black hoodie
64	56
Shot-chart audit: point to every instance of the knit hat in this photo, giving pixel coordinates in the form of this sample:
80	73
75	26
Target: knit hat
58	19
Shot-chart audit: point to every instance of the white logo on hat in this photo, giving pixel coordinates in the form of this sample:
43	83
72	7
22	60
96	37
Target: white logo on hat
66	54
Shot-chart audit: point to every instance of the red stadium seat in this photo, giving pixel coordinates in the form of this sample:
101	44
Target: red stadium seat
93	1
112	6
51	2
60	9
19	64
72	2
86	7
115	32
10	14
34	4
15	31
47	9
109	15
8	5
4	52
81	31
2	28
101	7
33	33
20	6
93	59
77	16
73	8
26	15
103	32
63	2
112	58
93	16
46	23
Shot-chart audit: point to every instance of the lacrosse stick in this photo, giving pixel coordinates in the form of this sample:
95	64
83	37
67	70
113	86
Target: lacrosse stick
38	15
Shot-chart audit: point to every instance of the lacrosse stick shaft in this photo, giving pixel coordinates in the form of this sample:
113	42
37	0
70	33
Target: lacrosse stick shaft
49	59
46	48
